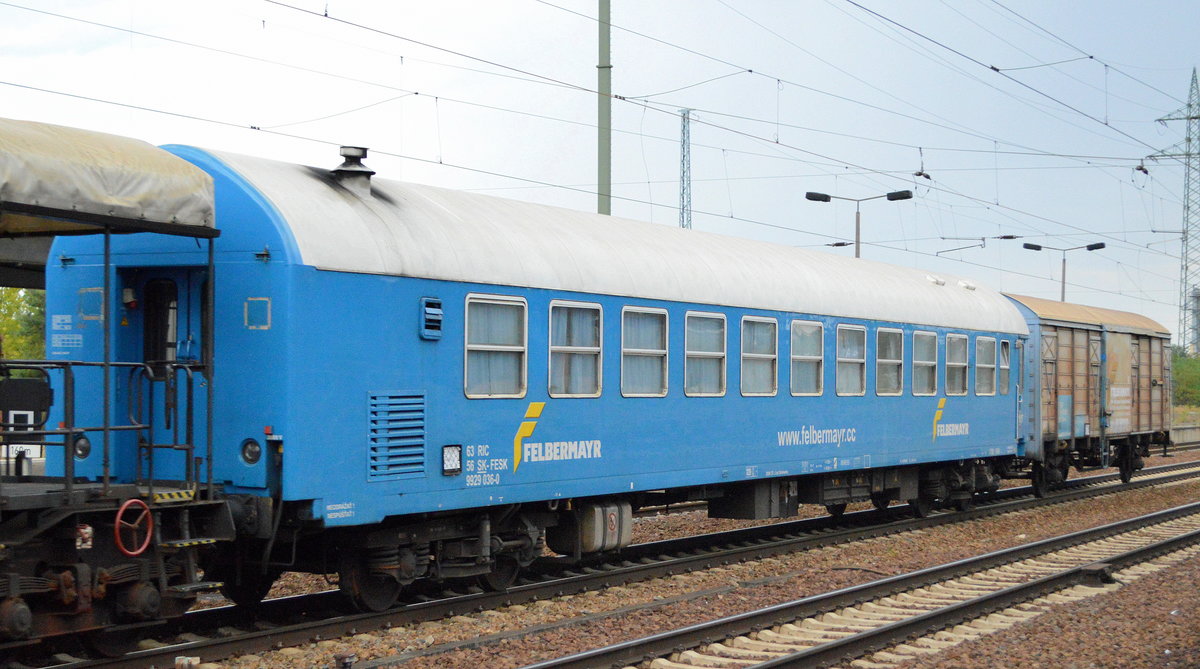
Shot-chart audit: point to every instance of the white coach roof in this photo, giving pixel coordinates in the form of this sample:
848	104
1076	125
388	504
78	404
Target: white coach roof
421	231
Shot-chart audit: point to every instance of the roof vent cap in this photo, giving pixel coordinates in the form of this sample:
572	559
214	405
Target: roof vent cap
352	174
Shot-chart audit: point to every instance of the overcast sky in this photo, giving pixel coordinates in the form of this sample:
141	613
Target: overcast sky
789	96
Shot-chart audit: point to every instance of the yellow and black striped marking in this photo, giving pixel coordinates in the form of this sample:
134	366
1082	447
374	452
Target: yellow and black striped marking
174	496
186	543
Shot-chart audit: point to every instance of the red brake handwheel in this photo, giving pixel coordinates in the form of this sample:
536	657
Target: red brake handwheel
144	520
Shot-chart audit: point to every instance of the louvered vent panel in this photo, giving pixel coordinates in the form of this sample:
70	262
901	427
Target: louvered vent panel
397	436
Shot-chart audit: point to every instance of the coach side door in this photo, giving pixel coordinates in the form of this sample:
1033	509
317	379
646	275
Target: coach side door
161	325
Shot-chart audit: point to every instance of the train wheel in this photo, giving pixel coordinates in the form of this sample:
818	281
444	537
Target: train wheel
880	501
1041	485
835	510
1125	459
921	508
502	576
247	589
965	504
369	591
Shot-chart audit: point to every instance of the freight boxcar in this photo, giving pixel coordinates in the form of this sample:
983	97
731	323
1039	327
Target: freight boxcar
1100	381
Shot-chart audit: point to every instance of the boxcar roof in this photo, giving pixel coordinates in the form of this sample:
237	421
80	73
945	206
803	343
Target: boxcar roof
414	230
1065	312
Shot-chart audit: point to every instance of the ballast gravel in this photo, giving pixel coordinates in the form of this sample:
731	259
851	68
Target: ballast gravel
575	623
1153	622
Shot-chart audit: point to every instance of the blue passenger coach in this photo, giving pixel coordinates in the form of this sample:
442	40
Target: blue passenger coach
416	382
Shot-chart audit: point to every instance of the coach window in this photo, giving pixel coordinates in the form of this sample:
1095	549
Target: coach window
851	360
985	365
704	369
808	358
496	346
889	362
956	364
574	349
760	356
925	358
643	352
1005	365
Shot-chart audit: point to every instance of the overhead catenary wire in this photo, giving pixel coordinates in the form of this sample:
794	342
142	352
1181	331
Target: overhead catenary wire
1110	65
1001	73
310	70
1039	65
387	86
405	92
673	105
635	102
744	69
502	175
907	40
865	170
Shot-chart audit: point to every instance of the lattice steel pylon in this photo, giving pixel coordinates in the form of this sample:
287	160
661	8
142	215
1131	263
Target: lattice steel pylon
685	169
1189	257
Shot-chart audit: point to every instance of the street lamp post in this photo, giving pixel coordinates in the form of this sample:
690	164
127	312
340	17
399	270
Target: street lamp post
1038	247
823	197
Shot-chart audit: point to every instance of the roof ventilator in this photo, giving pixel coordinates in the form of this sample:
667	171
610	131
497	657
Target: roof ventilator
352	174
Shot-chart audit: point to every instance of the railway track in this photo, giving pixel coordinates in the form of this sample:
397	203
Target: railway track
870	624
225	631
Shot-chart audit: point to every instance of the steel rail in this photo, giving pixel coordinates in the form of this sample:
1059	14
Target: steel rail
638	650
863	643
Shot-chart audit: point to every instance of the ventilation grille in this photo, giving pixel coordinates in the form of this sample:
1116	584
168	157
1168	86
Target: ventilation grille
431	318
397	436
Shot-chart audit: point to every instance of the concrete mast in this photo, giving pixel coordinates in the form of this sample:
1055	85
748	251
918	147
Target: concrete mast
604	116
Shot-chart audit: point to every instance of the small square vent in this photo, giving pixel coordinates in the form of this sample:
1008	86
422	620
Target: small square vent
431	318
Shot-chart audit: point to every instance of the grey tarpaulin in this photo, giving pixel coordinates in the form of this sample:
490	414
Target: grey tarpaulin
56	180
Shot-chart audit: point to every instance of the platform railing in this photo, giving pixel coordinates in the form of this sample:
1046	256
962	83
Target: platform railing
67	434
145	379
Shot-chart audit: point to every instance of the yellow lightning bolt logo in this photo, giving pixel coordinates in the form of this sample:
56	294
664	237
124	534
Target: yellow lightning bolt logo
937	416
526	430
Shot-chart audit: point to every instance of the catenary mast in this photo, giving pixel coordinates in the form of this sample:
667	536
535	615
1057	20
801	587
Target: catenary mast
1189	257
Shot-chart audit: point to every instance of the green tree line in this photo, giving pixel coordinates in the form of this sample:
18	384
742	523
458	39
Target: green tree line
1185	378
23	323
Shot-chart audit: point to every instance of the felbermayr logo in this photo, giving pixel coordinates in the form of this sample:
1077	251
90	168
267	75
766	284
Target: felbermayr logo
941	429
582	449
